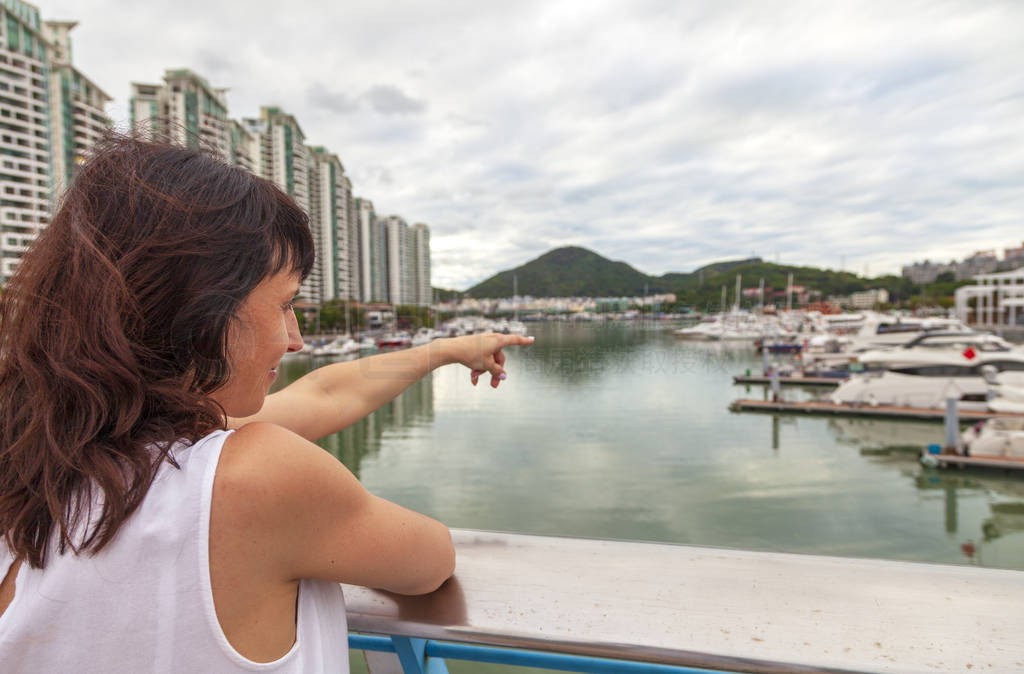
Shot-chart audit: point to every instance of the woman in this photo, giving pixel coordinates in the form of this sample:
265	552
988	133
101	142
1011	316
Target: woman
160	512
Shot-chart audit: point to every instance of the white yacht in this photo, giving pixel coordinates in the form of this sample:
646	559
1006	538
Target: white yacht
1006	392
512	327
705	330
393	340
976	348
340	346
837	324
884	331
1001	436
831	351
924	376
424	336
732	326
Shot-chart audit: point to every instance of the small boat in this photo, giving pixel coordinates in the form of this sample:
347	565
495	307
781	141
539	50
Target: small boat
1005	391
735	325
512	327
394	340
881	331
999	436
923	376
340	346
779	345
423	336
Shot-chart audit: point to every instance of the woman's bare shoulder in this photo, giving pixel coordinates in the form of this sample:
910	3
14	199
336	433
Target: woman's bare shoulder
268	494
264	467
298	512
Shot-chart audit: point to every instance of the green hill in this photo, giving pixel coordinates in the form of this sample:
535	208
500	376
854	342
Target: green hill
578	272
568	272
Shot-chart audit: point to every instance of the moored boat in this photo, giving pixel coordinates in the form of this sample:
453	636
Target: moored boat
926	376
341	346
1000	436
394	340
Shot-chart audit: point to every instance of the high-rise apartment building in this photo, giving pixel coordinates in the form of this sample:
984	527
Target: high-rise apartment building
372	262
185	110
352	238
78	115
49	116
244	146
330	192
25	157
419	235
408	269
395	244
394	229
285	160
394	259
358	255
283	156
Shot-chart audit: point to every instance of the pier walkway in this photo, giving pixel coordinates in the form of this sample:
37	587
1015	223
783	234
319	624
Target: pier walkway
877	411
787	380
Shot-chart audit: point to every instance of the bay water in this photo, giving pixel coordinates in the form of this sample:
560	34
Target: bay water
622	431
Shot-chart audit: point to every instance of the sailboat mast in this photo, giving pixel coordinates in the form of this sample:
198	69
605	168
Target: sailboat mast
515	297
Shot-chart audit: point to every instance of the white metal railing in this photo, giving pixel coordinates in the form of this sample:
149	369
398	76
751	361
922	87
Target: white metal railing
711	608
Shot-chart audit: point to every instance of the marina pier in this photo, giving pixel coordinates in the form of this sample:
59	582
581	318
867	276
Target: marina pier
821	407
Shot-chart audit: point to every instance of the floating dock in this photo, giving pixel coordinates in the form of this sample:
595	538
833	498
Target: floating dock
788	380
877	411
958	461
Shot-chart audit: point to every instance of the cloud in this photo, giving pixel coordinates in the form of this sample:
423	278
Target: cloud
660	133
213	64
382	99
389	100
337	102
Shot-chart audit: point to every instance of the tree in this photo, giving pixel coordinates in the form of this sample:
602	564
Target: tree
332	316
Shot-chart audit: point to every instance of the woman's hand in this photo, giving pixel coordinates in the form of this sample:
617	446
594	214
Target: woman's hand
483	353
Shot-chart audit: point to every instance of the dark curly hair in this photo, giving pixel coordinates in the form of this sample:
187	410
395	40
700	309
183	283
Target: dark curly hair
114	330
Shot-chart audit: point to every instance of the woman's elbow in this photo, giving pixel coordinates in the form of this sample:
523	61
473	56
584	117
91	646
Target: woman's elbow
440	567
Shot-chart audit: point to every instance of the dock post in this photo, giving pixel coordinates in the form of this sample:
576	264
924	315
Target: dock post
765	366
952	425
776	385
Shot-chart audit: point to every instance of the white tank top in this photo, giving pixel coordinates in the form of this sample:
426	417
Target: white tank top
144	604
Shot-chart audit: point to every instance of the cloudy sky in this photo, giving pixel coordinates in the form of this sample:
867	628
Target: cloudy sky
667	134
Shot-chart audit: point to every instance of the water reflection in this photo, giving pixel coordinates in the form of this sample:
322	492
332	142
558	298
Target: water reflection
616	431
577	354
978	507
1007	518
414	407
873	434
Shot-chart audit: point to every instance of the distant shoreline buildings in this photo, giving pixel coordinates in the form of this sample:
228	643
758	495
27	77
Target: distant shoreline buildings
51	115
981	262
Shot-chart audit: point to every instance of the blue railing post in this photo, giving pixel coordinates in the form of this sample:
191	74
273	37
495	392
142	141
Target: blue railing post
412	654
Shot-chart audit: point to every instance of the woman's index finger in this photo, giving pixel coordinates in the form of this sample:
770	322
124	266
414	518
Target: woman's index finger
518	340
